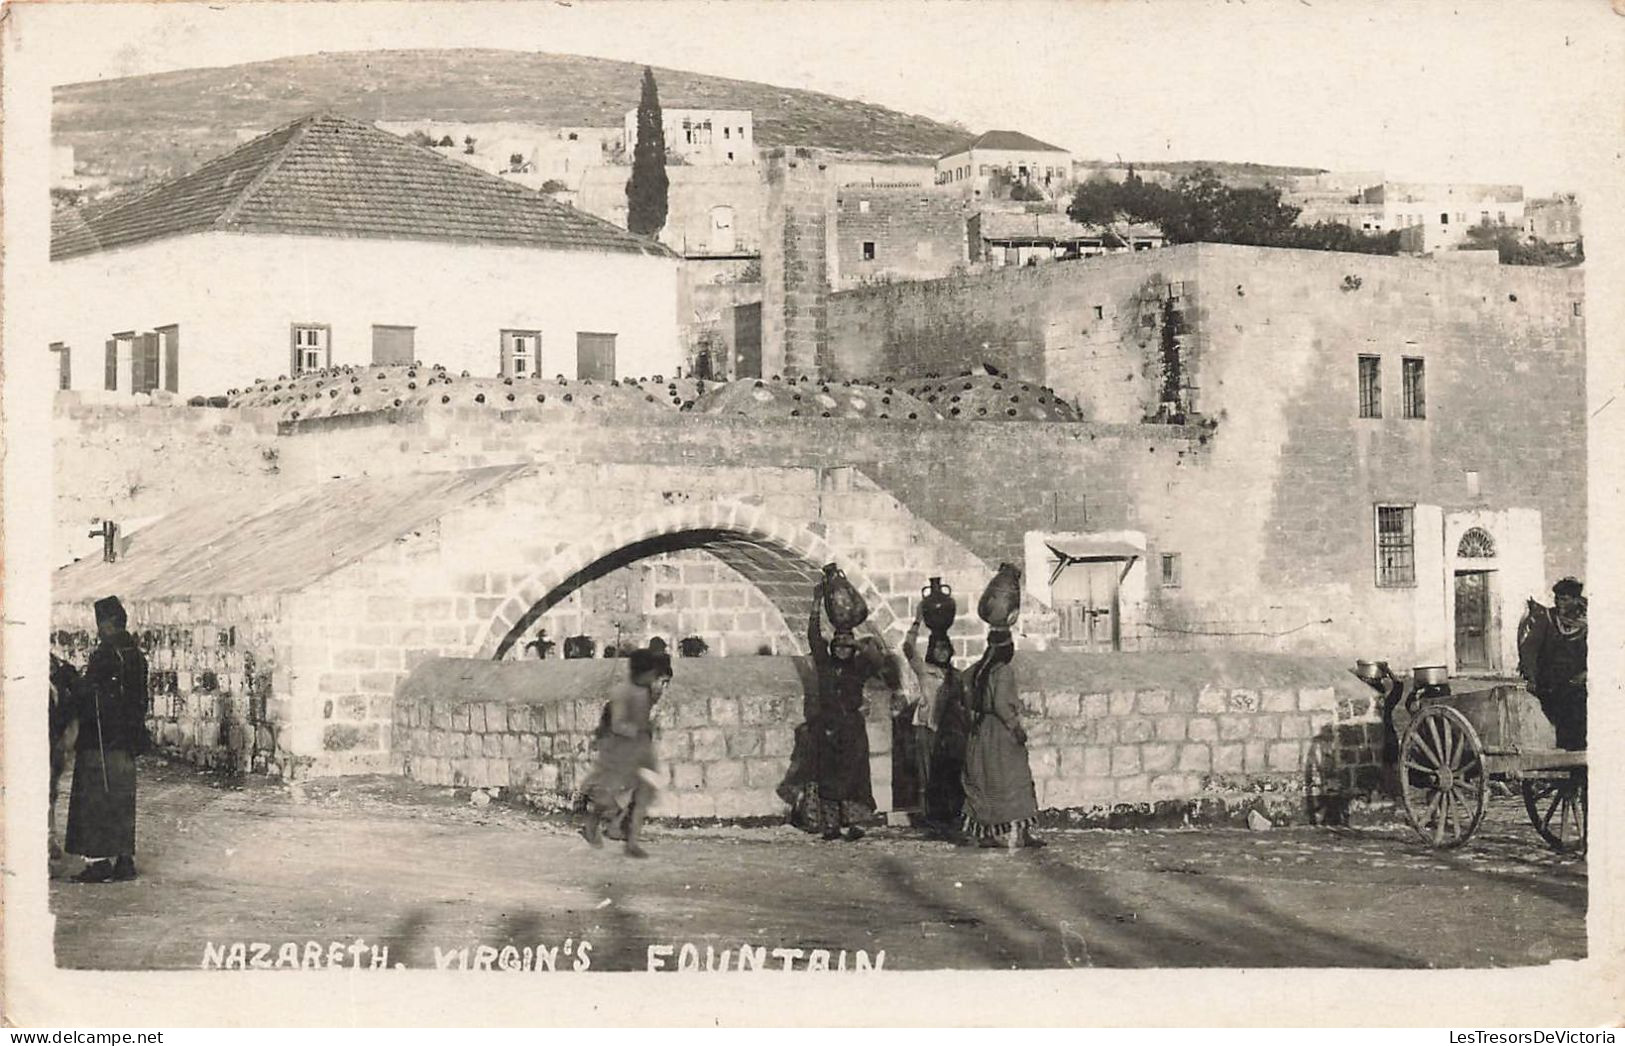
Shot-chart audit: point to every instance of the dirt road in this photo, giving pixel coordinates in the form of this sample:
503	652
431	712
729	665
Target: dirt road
419	870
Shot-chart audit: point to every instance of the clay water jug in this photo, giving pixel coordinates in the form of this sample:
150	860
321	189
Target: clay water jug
1001	601
842	602
937	606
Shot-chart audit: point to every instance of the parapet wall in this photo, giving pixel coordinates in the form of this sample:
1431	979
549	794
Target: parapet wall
1117	737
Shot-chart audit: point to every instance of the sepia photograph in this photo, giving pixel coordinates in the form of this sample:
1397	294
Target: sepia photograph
847	488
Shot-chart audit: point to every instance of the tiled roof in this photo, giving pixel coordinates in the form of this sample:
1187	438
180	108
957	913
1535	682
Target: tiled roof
1056	227
327	175
1011	141
248	546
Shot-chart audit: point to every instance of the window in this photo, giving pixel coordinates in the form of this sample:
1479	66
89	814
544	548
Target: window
1396	546
1370	386
1170	570
120	348
1461	216
1100	312
726	133
984	170
312	348
64	367
521	353
392	346
863	206
145	364
1476	544
1472	483
595	356
1577	308
1415	405
1444	219
868	250
1501	216
1484	217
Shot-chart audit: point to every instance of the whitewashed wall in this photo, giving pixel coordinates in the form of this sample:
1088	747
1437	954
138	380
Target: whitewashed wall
235	297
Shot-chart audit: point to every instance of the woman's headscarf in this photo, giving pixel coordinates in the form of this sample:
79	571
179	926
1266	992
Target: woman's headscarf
1001	648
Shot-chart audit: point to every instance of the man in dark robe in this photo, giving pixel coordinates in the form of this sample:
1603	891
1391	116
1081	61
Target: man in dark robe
111	705
1552	652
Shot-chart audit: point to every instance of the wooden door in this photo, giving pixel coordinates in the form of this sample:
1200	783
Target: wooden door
1086	595
1473	620
393	345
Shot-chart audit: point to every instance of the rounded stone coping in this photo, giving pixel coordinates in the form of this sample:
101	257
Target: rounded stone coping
457	680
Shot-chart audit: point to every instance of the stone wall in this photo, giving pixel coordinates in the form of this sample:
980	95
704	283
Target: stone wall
218	672
1118	738
915	234
727	730
129	461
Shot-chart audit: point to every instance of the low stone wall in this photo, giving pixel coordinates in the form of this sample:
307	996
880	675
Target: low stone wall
1120	738
727	730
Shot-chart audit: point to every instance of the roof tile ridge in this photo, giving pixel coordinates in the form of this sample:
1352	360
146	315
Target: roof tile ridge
300	128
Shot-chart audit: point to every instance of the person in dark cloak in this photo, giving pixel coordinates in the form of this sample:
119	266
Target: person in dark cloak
1001	803
111	706
939	722
65	683
840	738
622	784
1552	653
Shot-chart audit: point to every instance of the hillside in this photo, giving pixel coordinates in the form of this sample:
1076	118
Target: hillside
143	127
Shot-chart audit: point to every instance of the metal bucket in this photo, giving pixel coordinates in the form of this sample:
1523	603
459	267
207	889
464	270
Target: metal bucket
1370	672
1430	675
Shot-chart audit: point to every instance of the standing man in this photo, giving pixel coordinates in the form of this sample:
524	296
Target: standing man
112	712
64	685
1552	652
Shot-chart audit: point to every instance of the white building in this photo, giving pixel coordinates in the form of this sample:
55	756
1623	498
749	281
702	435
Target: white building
330	242
703	137
1016	156
1436	216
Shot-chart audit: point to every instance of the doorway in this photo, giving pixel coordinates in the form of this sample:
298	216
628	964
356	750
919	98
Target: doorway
1474	646
1086	595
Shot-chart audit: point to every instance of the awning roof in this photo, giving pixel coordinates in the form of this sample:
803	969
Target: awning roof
1080	550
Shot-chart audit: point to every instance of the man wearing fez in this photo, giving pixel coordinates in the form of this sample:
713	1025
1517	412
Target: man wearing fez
111	705
1552	654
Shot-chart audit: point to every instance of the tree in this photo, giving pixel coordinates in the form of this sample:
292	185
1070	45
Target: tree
1201	208
1503	239
647	188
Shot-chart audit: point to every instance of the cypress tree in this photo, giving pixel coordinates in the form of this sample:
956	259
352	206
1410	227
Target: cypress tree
646	189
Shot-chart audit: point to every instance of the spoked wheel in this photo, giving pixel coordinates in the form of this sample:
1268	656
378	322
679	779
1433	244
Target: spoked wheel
1442	776
1557	809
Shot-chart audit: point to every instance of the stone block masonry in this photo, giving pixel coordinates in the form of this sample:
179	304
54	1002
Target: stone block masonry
726	731
1113	738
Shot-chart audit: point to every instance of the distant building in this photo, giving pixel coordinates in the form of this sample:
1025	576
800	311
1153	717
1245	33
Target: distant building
703	137
329	242
1554	219
1020	158
532	155
882	235
1444	212
1001	239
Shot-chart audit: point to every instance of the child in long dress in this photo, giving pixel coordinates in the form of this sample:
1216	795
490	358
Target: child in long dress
622	783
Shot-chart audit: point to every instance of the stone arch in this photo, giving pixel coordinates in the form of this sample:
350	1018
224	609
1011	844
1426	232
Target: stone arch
782	560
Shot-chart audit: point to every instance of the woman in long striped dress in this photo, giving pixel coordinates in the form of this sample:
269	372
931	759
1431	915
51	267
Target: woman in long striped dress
1001	804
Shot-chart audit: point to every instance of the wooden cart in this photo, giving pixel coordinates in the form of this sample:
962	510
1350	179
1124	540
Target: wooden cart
1456	744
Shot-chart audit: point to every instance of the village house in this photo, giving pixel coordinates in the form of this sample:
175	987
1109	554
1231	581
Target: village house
1554	219
704	137
1437	216
1011	155
330	242
1000	238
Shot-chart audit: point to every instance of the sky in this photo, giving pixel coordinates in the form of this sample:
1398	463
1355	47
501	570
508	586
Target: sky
1482	90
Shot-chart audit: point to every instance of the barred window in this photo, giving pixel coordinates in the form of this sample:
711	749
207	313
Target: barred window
1370	386
1396	546
1170	570
1415	388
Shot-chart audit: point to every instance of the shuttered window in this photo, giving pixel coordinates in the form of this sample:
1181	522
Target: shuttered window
595	356
64	366
170	338
521	353
312	347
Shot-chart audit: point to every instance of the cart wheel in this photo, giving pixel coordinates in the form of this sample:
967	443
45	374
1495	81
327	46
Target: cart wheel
1557	809
1442	777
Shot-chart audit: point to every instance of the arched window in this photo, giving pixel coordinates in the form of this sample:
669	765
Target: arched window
1476	544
